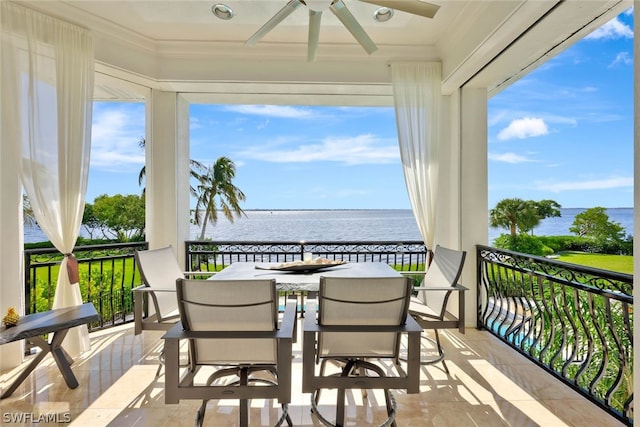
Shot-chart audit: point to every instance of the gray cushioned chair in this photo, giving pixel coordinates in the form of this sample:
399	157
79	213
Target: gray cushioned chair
429	307
233	331
359	322
159	269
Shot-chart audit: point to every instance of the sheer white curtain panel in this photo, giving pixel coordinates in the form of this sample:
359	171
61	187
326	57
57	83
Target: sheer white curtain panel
48	70
417	100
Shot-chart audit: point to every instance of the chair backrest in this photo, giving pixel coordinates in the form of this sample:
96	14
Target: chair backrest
444	271
381	301
159	269
229	305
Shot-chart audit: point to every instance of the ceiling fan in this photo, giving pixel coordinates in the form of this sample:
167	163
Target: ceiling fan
316	7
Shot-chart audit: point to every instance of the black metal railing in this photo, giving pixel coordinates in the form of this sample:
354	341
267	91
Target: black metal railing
575	322
107	275
214	256
108	272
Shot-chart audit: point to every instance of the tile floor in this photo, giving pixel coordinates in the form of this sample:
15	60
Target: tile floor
489	386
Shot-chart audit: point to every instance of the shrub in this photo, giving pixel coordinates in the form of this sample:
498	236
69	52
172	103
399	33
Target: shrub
562	243
585	244
523	243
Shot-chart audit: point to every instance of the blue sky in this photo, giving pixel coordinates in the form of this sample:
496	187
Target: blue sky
563	132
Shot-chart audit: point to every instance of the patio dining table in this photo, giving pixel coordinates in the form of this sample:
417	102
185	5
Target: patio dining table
294	281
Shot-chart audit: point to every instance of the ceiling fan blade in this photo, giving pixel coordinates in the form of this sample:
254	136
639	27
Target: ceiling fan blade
314	34
415	7
349	21
275	20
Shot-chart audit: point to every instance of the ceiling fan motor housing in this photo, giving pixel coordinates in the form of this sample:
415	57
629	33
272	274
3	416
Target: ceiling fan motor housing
318	5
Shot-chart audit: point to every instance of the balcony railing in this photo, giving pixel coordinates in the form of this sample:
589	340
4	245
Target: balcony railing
107	275
108	272
214	256
575	322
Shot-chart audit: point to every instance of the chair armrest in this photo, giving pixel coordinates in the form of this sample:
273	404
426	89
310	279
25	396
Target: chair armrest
441	288
412	273
147	289
199	273
288	324
310	317
460	321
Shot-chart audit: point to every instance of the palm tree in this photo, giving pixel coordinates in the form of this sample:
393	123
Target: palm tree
514	214
28	217
196	167
216	191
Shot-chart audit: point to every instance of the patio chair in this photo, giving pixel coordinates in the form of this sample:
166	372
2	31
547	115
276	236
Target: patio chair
159	270
429	307
358	325
232	330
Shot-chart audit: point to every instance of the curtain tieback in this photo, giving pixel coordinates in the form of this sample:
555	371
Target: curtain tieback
72	268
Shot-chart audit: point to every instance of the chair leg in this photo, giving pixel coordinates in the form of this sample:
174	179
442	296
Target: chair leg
200	413
441	352
352	367
346	371
287	417
160	361
391	407
244	403
363	391
316	394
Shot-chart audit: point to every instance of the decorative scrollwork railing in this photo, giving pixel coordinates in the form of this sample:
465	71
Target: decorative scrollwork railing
575	322
406	256
107	275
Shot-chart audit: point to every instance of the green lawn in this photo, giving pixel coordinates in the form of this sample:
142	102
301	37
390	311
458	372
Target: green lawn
619	263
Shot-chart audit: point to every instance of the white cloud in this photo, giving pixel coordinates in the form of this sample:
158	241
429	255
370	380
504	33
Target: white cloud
524	128
613	29
623	58
509	158
279	111
602	184
361	149
194	123
114	138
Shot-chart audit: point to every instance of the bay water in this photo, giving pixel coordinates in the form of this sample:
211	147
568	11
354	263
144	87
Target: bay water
349	225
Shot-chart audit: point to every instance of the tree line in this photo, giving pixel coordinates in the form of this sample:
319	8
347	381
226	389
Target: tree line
594	231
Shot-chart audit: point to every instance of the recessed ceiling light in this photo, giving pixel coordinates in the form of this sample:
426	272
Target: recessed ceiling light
383	14
222	11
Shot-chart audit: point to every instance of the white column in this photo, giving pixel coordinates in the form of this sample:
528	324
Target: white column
462	217
11	246
448	209
167	171
474	224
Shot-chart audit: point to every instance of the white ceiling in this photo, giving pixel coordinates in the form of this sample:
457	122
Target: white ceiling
181	46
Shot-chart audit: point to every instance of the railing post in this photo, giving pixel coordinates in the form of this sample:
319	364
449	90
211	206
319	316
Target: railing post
27	283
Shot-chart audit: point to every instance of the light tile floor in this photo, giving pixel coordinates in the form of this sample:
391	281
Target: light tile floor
489	385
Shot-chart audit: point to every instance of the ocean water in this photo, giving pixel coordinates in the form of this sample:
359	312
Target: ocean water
350	225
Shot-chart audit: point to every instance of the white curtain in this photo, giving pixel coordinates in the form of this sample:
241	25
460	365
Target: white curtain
416	95
47	94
